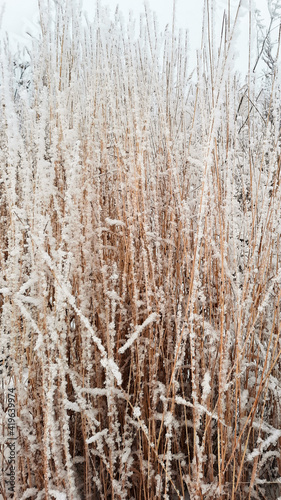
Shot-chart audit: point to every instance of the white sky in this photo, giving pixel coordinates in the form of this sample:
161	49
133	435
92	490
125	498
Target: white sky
20	16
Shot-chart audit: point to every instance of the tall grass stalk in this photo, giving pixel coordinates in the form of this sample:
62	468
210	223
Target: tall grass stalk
140	264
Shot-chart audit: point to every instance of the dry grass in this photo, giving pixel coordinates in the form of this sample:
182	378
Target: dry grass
140	253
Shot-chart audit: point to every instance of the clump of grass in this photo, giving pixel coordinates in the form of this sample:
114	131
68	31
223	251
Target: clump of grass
140	254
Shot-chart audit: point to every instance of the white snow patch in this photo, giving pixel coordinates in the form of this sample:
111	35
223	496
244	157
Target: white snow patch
114	222
137	412
151	318
69	405
168	420
206	386
30	492
39	342
97	436
59	495
110	365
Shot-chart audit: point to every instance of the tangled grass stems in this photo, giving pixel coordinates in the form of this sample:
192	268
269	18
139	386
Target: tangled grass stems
140	264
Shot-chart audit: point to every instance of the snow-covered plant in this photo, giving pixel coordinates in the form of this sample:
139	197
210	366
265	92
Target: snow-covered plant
140	278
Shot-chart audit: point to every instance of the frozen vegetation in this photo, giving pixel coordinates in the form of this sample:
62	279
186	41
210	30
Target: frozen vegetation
140	249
